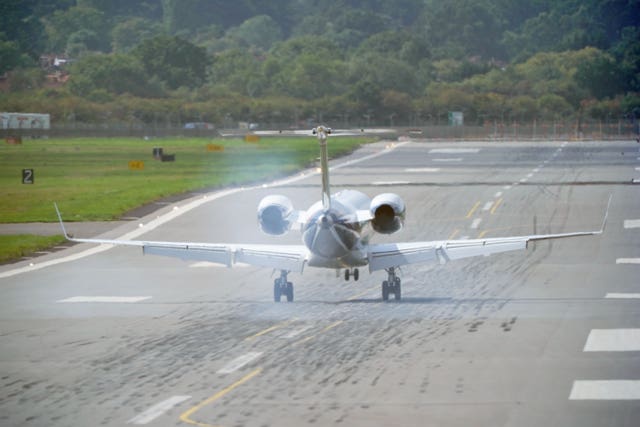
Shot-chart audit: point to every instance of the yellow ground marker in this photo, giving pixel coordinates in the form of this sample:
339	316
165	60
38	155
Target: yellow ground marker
186	416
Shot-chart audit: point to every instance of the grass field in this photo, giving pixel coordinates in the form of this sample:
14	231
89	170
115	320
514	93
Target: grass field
92	179
16	246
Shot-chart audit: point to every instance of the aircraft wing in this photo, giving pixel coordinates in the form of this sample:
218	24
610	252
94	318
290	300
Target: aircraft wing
384	256
281	257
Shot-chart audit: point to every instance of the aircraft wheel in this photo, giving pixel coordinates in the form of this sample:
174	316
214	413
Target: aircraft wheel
356	274
289	291
397	289
385	291
347	274
277	292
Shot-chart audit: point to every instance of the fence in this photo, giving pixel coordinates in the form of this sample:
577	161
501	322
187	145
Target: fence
622	129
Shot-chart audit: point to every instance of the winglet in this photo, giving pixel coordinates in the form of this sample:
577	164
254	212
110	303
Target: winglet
64	230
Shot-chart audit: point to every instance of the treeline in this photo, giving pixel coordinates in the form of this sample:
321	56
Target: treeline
345	61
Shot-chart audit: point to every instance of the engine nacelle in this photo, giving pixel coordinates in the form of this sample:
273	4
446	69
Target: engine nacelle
388	212
274	214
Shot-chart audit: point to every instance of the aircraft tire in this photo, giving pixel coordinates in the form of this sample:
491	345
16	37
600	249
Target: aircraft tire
397	290
385	291
347	274
356	274
277	292
289	292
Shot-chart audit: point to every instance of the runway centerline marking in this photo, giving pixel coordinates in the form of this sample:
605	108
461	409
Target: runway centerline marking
605	390
186	416
105	299
422	170
157	410
628	261
239	362
613	340
614	295
382	183
472	210
454	151
632	223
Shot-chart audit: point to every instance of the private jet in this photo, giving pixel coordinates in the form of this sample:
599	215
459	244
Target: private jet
336	234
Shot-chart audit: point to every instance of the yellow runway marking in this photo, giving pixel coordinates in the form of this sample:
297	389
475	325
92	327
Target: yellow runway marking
473	209
270	329
361	294
481	235
310	337
454	234
495	206
186	416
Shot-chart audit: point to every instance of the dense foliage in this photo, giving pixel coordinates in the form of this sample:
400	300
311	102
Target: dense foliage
356	61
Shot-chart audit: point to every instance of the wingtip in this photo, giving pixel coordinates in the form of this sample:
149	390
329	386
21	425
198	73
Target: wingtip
606	214
64	230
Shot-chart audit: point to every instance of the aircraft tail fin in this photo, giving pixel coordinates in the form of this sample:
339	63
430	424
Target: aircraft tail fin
322	132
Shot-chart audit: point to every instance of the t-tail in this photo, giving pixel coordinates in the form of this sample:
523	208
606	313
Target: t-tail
322	132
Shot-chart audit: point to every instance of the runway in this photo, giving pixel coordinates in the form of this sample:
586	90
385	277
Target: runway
548	336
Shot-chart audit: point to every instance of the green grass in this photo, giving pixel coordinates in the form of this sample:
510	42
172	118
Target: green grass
16	246
90	176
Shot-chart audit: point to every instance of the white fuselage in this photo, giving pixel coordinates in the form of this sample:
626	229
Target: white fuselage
335	237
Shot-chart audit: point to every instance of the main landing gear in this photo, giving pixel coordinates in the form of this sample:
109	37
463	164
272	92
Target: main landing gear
348	273
391	285
282	287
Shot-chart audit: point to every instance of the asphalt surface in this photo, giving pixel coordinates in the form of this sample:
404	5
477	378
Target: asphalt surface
548	336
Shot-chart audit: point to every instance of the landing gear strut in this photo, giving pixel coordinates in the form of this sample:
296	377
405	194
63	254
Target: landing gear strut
391	285
347	274
282	287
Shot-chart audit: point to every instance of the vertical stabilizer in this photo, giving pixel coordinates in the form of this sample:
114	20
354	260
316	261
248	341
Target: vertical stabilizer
322	132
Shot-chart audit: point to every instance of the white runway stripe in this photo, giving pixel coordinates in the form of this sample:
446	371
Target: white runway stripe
614	295
391	182
628	261
487	206
239	362
419	170
613	340
454	150
157	410
476	222
458	159
605	390
104	299
632	223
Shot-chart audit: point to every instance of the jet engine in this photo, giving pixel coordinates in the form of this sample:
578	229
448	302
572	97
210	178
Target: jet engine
387	211
275	214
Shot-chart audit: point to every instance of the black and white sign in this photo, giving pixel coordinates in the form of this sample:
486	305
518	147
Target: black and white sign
28	176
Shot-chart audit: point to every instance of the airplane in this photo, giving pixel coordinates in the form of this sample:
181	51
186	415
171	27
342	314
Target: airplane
336	233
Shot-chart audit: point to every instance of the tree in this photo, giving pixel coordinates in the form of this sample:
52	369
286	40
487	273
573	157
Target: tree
173	60
21	27
62	24
260	31
129	33
117	74
10	56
